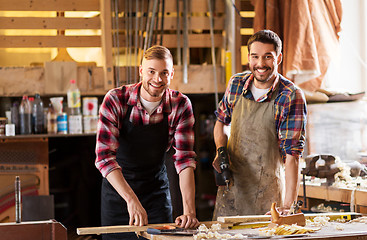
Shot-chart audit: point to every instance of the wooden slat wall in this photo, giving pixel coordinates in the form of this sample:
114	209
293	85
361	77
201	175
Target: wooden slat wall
46	5
199	41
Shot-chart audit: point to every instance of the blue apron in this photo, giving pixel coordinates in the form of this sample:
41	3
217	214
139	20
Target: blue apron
141	155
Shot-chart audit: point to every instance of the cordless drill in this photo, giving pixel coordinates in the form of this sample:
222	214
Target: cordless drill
224	166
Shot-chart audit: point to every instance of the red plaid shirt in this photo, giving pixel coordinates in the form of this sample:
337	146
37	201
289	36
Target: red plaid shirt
112	112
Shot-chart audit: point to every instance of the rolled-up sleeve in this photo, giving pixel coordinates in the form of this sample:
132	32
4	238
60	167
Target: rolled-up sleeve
292	129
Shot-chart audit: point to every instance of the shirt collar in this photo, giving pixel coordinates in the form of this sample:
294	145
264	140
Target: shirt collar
134	99
250	80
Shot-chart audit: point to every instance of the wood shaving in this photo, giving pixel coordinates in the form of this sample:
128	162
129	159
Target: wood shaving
212	233
286	230
318	221
360	219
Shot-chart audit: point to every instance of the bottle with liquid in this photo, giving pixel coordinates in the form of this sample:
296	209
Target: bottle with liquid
51	120
25	113
37	114
15	116
74	105
73	95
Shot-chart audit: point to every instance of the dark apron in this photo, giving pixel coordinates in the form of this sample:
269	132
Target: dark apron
141	155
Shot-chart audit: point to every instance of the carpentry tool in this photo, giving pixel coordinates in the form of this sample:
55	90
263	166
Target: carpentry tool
224	167
212	47
18	217
326	170
276	218
171	230
295	207
321	166
185	50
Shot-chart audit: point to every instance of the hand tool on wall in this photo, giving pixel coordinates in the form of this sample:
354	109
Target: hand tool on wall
185	42
178	32
211	18
18	217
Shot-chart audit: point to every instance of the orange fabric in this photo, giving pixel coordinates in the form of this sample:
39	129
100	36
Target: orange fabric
308	29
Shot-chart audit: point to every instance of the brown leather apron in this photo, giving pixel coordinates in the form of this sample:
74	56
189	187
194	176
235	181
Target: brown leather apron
256	164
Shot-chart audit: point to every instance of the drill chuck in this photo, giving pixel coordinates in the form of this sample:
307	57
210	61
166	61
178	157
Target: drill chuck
224	164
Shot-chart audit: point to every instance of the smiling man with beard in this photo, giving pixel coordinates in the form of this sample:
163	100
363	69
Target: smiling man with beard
267	114
137	125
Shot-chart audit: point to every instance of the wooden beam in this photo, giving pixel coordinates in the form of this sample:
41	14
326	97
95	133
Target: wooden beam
49	41
106	39
47	5
49	23
195	40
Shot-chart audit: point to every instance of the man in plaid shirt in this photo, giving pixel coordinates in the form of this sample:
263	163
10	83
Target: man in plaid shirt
267	114
137	125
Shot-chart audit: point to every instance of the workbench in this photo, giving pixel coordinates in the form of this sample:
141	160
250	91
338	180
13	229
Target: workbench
327	232
329	193
250	227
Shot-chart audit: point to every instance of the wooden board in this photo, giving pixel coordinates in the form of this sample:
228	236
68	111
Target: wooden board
261	218
57	76
334	194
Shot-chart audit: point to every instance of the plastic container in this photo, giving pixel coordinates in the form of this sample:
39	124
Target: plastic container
73	95
37	115
51	120
25	113
15	117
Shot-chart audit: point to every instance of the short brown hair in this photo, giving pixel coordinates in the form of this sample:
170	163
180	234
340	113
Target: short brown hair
158	52
266	36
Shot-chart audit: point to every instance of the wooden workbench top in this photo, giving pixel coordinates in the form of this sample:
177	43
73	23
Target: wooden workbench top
333	230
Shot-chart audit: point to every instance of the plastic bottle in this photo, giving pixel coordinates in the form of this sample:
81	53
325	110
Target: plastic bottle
51	120
74	105
25	113
73	95
31	101
15	116
37	114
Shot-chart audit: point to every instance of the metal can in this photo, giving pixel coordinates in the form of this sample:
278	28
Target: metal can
75	124
90	106
2	126
90	124
62	123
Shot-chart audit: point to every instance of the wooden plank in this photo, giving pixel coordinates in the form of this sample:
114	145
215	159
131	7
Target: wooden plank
247	22
263	218
200	79
106	39
196	6
195	40
334	194
47	5
17	81
49	41
196	22
118	229
49	23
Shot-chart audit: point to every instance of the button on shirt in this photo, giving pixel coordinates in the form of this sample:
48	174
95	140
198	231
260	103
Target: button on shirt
112	113
290	110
